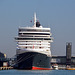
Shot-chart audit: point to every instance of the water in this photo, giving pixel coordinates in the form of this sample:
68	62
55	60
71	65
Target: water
38	72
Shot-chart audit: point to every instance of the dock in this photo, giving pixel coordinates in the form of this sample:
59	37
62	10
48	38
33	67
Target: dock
6	68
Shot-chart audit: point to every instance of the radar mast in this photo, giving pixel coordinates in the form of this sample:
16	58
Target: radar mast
34	19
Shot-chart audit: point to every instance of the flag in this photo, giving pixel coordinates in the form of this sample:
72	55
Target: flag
31	21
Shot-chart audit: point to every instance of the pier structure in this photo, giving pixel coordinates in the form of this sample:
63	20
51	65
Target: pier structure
6	68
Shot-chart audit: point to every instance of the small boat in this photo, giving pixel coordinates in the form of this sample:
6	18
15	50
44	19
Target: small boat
55	67
70	68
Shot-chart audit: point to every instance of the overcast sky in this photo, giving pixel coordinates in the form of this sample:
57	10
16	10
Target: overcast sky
59	15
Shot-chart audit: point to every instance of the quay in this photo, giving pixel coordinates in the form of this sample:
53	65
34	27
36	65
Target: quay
6	68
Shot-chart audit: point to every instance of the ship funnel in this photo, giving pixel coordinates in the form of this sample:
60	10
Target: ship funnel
34	19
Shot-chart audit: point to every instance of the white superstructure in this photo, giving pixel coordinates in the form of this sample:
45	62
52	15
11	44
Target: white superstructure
34	39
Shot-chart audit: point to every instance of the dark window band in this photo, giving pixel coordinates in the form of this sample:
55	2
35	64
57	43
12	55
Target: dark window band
32	38
35	33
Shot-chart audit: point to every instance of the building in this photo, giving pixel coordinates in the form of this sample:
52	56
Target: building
2	59
61	60
64	60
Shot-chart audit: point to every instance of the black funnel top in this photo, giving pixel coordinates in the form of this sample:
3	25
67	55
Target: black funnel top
38	24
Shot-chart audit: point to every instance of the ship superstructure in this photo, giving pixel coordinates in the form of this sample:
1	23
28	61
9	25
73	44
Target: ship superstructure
33	47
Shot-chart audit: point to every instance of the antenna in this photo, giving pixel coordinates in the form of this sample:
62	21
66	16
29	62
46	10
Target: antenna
34	19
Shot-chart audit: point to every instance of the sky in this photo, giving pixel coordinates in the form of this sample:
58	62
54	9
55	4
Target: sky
59	15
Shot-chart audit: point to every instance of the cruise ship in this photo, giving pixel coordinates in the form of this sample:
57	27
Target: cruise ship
33	47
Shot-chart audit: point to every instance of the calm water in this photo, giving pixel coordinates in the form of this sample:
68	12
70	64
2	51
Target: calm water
45	72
